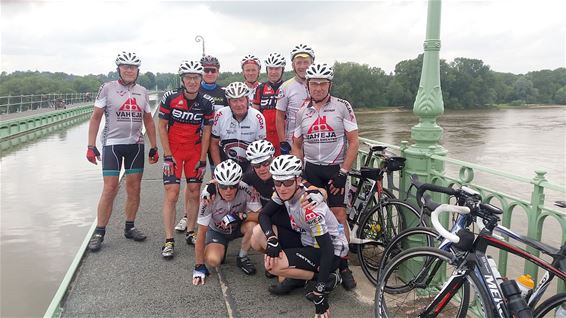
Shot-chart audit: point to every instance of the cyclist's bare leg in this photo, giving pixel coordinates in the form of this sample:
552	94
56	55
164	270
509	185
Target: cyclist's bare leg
213	254
192	192
109	192
340	214
133	188
247	229
169	208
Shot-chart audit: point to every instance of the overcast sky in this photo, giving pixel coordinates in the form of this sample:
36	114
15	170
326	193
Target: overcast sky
83	37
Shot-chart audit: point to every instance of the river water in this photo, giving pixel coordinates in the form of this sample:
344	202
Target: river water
49	192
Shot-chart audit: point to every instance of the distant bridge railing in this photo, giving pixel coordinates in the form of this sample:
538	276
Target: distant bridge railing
536	210
21	103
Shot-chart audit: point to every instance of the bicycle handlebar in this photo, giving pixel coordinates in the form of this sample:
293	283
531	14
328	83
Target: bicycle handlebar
436	223
435	188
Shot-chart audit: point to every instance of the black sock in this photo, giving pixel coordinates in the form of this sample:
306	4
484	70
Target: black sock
129	225
170	240
343	264
100	230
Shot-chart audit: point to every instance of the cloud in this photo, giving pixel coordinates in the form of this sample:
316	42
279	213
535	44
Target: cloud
84	37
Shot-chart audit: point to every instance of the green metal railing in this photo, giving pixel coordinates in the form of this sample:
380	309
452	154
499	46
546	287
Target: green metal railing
537	210
21	103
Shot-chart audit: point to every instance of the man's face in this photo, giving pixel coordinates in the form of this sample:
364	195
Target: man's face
228	192
318	88
239	106
262	169
129	73
286	188
274	73
191	82
210	74
301	64
251	72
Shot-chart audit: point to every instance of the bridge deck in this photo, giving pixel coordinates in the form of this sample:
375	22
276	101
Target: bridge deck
28	113
130	279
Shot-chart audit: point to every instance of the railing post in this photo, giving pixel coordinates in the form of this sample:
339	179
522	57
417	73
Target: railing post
534	227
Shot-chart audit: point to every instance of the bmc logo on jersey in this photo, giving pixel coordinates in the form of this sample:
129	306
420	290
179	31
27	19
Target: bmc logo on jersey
130	105
320	125
185	116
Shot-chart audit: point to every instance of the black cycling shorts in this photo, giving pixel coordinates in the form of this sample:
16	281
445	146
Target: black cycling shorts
112	156
319	176
308	258
213	236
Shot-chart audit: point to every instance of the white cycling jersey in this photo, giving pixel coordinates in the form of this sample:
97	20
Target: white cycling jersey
124	107
292	95
246	199
314	222
236	136
324	131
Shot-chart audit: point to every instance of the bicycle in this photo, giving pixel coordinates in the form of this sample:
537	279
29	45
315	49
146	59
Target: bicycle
468	269
375	215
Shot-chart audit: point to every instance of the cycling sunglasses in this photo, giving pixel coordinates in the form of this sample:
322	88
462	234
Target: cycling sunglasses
286	183
266	163
226	187
210	70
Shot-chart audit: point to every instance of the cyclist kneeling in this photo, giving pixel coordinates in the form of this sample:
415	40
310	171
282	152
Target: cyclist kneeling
224	219
323	243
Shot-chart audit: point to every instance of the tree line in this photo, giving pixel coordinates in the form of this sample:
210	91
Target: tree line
466	83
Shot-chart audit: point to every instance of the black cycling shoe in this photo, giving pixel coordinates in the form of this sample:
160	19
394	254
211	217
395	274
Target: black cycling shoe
269	275
134	234
191	238
245	265
348	280
95	242
286	286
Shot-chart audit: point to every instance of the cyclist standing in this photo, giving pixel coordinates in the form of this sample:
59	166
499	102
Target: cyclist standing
251	67
323	244
292	96
265	97
125	105
230	215
235	127
184	127
326	135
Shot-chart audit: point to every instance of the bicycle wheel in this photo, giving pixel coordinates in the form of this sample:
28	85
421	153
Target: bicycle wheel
414	237
414	278
549	308
380	225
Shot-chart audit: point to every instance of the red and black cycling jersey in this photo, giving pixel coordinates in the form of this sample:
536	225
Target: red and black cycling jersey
186	117
217	94
266	95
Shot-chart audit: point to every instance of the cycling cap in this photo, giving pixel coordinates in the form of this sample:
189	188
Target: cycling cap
128	58
228	172
285	167
259	151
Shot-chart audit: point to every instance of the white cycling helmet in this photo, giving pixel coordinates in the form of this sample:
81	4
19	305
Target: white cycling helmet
302	49
236	90
190	67
128	58
228	172
275	60
250	58
320	71
259	151
285	167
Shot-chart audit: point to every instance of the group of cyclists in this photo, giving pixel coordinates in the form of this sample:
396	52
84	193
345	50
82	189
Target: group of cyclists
279	154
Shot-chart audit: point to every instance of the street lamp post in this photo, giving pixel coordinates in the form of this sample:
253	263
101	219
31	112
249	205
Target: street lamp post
199	38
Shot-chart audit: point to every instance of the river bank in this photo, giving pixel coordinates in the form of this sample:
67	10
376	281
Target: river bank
400	109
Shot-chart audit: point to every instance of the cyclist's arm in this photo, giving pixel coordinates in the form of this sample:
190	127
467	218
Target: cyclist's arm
326	254
164	136
265	217
280	125
297	148
214	148
205	142
199	245
352	149
150	128
94	124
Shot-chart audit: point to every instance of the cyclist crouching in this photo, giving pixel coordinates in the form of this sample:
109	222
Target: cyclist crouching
323	244
231	214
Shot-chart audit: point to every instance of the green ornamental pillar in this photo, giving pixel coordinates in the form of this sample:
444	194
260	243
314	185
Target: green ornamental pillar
428	106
